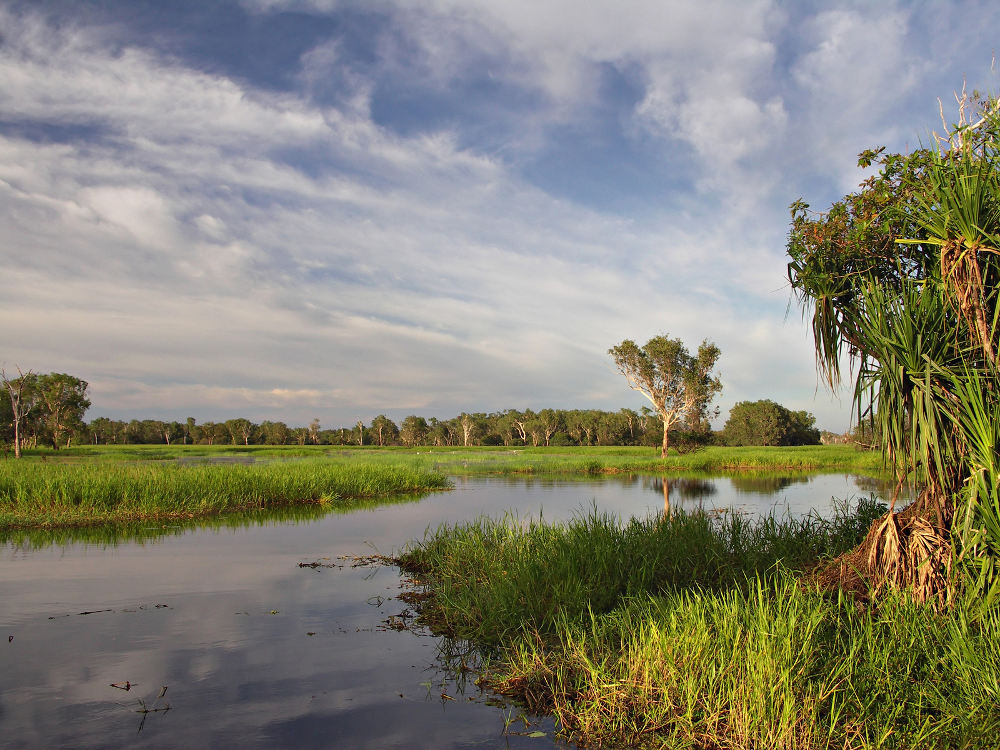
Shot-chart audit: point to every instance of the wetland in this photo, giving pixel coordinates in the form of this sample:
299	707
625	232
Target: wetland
277	627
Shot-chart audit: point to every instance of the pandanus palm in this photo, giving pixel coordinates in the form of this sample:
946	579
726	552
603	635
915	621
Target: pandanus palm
902	277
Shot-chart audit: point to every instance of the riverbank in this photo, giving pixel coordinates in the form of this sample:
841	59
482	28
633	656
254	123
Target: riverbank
472	460
109	484
593	460
40	494
688	632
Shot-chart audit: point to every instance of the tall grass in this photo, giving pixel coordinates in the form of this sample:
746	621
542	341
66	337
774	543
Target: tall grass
609	460
687	632
48	493
772	665
491	578
500	460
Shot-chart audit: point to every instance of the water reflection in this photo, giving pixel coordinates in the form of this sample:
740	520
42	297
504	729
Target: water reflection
766	484
681	488
111	535
259	652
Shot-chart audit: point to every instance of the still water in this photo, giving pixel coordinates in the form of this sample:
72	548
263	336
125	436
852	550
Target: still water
255	650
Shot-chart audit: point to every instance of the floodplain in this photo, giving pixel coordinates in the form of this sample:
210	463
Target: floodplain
545	596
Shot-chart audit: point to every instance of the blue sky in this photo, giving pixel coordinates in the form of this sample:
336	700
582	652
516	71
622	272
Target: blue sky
287	209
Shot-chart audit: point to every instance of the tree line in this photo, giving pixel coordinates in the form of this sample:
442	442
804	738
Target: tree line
49	409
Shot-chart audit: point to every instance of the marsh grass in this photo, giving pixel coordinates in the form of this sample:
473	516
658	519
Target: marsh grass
590	461
35	493
458	460
491	578
692	632
771	665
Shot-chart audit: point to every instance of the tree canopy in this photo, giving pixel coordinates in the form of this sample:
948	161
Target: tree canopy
768	423
679	385
44	408
901	276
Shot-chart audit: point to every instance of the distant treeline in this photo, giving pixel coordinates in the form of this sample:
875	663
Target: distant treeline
507	428
51	409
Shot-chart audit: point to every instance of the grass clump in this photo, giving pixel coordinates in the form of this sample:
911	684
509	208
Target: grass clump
50	494
491	578
692	632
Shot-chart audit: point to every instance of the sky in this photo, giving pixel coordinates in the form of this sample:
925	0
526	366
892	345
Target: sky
334	209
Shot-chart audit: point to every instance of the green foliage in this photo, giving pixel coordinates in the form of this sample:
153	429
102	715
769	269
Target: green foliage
35	493
49	408
768	423
684	632
903	276
413	430
492	579
679	385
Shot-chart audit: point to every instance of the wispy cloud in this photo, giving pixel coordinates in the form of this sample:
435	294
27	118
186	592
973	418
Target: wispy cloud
381	233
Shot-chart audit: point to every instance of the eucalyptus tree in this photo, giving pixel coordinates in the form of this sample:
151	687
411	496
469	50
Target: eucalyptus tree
384	430
62	402
469	426
274	433
521	421
240	430
22	396
413	431
902	277
549	421
631	419
102	430
679	385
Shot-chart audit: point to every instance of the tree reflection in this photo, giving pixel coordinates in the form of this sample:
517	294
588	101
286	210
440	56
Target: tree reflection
683	488
766	484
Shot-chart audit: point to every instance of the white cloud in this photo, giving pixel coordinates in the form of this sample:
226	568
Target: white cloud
208	244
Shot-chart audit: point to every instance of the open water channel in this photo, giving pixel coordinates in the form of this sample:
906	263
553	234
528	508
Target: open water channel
247	648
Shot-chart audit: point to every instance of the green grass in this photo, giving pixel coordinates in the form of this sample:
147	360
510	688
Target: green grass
499	460
492	578
689	633
614	460
47	493
101	484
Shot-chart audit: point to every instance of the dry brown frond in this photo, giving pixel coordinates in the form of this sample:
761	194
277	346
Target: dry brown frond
964	280
907	550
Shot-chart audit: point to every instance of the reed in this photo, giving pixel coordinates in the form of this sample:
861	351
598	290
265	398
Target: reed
692	632
586	460
616	460
493	578
34	493
772	665
109	535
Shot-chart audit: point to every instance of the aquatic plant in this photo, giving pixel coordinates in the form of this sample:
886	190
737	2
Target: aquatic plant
48	493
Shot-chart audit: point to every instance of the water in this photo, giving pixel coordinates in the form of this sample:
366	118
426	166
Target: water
256	651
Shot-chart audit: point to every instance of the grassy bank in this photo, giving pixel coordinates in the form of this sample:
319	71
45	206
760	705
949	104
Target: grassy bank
500	460
37	493
616	460
687	633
